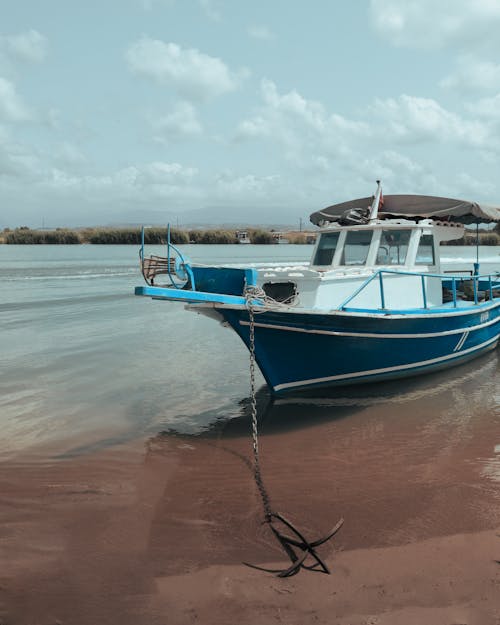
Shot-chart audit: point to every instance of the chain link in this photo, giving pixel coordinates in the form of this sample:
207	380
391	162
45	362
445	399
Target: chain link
250	293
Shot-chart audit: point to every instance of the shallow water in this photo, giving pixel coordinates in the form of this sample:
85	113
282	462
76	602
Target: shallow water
85	364
84	361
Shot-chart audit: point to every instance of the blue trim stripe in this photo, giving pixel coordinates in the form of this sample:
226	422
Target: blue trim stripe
191	297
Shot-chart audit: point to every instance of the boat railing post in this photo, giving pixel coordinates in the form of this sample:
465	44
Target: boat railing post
142	244
358	290
424	292
169	271
454	291
475	285
381	285
490	283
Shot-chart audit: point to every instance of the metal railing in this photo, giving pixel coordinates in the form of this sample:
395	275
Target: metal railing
176	267
492	280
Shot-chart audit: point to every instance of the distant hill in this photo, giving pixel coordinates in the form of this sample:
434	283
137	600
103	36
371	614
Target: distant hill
225	216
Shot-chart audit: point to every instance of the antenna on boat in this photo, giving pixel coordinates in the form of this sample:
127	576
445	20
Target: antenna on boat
376	202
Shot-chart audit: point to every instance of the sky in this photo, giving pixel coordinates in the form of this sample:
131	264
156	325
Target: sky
224	111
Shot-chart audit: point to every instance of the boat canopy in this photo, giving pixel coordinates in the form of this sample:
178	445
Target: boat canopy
412	206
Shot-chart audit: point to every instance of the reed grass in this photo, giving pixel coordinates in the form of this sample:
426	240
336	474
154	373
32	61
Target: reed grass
158	236
132	236
25	236
485	238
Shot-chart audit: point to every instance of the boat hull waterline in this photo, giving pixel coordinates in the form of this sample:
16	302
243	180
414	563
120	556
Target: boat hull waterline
297	352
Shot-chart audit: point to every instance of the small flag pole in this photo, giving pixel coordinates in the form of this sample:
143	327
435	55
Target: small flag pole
376	202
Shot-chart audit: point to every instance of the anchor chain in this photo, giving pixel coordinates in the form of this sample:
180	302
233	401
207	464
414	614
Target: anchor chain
297	547
253	401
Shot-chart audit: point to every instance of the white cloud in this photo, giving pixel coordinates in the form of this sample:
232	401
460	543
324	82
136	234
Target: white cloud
303	128
229	185
400	140
147	181
182	122
312	112
260	32
431	24
29	46
472	74
396	170
486	107
193	74
409	119
161	173
12	108
68	155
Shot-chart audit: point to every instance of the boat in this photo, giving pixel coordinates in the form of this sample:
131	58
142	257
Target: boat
242	237
280	238
372	304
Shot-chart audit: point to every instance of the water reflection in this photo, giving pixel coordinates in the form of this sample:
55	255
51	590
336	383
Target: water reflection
444	390
400	461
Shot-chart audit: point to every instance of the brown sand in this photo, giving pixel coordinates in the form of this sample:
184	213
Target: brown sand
156	534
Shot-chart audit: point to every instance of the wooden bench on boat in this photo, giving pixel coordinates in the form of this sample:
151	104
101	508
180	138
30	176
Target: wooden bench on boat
155	266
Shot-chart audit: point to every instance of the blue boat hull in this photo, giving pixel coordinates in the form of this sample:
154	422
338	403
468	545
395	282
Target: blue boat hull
302	351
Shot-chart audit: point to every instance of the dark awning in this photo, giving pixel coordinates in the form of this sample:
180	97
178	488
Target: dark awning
418	206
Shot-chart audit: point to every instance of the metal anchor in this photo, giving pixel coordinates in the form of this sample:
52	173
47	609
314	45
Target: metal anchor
299	542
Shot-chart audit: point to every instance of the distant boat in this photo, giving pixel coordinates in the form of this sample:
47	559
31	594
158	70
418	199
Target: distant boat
242	236
280	238
372	304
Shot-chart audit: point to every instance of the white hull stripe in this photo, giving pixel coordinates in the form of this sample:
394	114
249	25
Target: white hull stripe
360	374
461	342
374	335
388	315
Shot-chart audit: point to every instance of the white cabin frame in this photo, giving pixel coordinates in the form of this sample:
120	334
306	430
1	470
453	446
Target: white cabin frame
325	287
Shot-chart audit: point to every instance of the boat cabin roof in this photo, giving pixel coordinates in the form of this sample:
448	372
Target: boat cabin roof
412	206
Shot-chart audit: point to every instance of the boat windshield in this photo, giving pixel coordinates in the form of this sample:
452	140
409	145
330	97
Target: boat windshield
356	246
393	247
326	248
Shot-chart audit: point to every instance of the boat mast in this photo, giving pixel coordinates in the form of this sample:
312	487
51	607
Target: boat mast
376	202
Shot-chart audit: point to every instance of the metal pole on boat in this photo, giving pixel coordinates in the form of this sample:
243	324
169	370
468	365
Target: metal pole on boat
376	202
168	248
476	264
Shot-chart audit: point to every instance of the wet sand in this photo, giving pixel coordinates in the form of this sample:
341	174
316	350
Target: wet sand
155	531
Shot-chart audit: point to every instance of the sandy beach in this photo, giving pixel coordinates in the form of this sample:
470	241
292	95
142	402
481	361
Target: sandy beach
156	531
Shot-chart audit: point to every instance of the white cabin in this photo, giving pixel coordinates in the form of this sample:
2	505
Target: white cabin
344	257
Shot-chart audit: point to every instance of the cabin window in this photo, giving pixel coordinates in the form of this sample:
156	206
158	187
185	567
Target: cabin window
326	248
356	246
425	252
393	247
